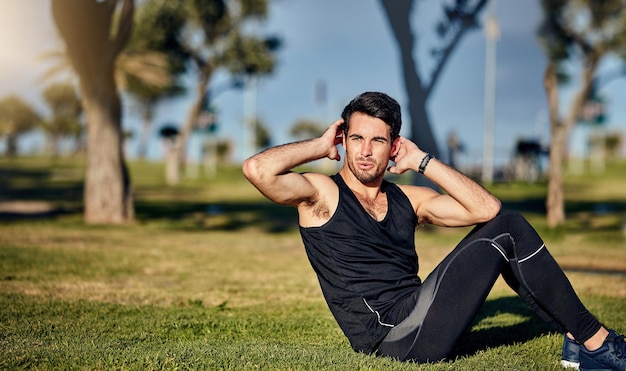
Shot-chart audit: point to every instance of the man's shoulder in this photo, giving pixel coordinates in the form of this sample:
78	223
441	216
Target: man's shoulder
319	179
417	194
413	189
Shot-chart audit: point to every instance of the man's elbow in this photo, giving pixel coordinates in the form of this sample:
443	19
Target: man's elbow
251	170
492	209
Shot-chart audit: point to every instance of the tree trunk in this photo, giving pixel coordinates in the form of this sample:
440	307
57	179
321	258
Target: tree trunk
11	150
398	15
192	117
107	195
559	131
52	145
555	203
421	132
144	136
172	170
93	42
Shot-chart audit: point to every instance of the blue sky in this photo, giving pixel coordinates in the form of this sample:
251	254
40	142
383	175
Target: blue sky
346	44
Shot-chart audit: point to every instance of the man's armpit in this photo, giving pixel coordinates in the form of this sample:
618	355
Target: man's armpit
321	211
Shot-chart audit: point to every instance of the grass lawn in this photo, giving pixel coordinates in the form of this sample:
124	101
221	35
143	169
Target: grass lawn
213	276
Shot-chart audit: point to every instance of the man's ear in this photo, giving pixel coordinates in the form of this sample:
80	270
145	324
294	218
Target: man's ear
395	147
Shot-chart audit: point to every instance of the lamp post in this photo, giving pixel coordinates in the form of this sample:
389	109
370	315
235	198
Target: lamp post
492	32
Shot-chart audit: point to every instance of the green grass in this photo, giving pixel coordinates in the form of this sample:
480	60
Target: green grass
212	276
91	335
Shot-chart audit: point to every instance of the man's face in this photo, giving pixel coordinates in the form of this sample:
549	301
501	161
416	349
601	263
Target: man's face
368	147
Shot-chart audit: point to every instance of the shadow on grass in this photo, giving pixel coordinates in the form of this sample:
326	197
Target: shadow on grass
8	216
222	216
35	194
34	185
49	185
530	328
26	194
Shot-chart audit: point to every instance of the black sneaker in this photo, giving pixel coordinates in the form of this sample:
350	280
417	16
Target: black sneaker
569	357
610	356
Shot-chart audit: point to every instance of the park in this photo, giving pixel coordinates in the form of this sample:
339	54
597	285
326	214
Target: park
115	260
213	276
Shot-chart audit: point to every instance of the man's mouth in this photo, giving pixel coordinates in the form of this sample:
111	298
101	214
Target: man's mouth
365	165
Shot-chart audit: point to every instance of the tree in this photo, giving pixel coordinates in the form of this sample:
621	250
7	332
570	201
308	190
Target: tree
66	110
16	117
95	33
305	128
458	19
158	24
262	136
148	67
614	144
216	38
224	149
583	31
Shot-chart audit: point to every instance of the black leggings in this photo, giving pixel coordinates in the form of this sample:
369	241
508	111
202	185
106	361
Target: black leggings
453	293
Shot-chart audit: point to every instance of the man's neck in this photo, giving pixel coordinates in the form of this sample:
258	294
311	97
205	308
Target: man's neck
370	190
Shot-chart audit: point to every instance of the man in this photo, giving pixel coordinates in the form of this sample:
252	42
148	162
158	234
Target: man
358	230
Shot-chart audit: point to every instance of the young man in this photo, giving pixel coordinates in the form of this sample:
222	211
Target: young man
358	231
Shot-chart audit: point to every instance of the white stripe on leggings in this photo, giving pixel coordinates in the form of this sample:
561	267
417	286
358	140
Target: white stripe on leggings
533	254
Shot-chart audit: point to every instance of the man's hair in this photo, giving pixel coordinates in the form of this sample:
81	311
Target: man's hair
378	105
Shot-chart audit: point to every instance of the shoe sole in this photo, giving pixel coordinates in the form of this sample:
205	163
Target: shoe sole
570	364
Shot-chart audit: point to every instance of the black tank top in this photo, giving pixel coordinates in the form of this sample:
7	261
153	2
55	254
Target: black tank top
365	267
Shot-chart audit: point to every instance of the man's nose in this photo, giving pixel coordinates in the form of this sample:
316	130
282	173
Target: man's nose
366	148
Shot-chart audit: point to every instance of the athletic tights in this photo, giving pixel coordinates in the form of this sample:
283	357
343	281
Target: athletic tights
451	296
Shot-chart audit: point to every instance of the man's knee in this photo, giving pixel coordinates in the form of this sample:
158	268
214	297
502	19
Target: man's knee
514	223
511	217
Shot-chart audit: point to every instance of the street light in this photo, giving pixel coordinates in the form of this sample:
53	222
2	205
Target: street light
492	32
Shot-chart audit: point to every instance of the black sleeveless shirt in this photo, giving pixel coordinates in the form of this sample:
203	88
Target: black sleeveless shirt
365	268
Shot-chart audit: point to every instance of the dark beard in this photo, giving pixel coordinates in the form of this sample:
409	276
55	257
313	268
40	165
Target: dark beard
366	177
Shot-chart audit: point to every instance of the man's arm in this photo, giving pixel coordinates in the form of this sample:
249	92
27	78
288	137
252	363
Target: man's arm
269	171
465	201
